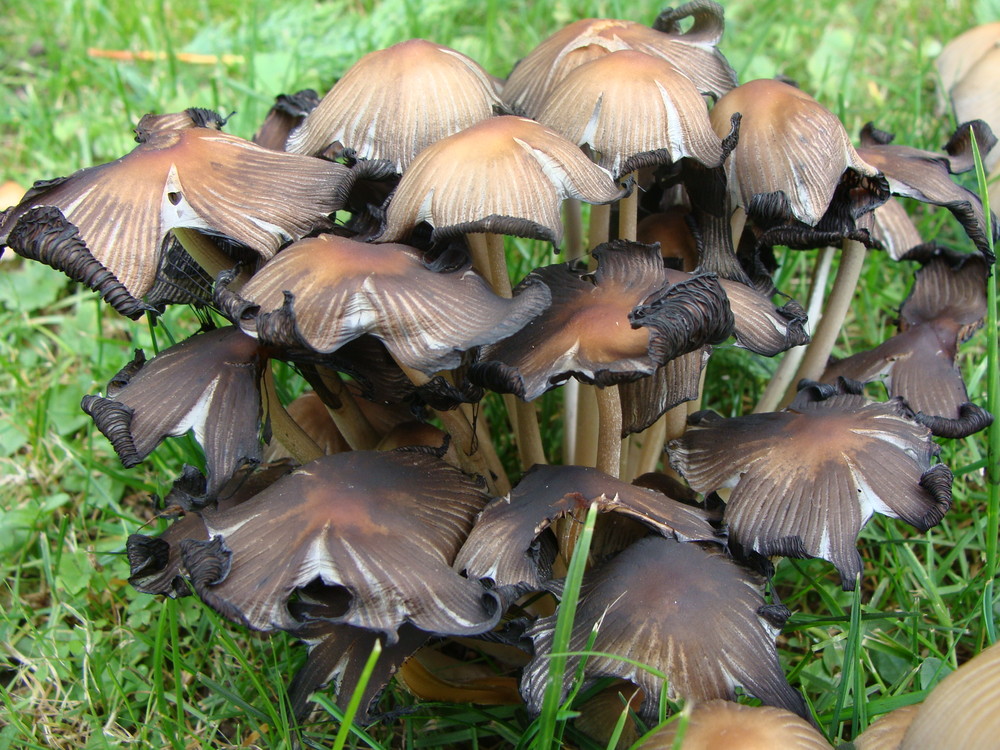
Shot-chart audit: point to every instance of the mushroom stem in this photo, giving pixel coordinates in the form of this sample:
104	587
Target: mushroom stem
609	435
600	225
208	255
736	223
628	213
782	377
653	440
350	421
480	255
852	259
285	429
573	224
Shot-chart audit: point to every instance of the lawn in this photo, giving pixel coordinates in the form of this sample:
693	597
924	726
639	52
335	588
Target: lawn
87	662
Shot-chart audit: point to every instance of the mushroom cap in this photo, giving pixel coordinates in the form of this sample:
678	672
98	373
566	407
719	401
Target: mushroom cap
694	54
505	544
208	383
961	53
614	325
692	615
807	479
789	143
633	110
723	725
394	103
887	731
286	114
326	291
370	535
196	178
514	175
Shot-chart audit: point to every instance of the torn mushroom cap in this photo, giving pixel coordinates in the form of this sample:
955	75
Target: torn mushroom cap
614	325
370	535
633	110
719	724
505	175
322	292
791	155
926	176
808	478
395	102
209	383
693	53
287	113
946	305
195	178
507	545
687	615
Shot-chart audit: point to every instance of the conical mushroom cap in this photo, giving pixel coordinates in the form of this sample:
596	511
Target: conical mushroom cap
325	291
371	533
693	615
789	143
196	178
694	54
633	110
723	725
807	479
505	175
395	102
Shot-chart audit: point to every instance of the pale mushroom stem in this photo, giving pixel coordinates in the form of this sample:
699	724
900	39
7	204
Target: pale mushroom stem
852	258
286	430
653	440
208	255
782	377
523	415
609	435
351	422
573	226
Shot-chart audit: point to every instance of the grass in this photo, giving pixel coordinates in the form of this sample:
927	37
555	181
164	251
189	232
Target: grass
88	662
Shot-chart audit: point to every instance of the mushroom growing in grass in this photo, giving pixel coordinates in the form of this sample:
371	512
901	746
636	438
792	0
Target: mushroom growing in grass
185	181
671	613
367	537
806	480
945	307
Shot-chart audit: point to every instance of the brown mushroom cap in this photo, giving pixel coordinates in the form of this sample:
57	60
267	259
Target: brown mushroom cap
715	725
506	546
692	615
394	103
287	113
808	478
514	175
194	178
789	144
614	325
370	535
209	383
633	110
693	53
323	292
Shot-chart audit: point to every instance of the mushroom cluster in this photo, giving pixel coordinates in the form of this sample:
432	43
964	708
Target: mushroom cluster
370	257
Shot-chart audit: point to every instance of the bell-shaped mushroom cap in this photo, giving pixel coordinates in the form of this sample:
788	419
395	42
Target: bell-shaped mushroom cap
946	305
633	110
372	534
287	113
974	96
808	478
395	102
693	53
717	724
209	383
512	178
791	155
692	615
961	710
616	324
337	655
887	731
964	51
322	292
506	544
196	178
926	176
155	561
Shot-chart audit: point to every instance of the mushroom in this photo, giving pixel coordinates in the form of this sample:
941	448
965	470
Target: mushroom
288	112
665	611
807	479
367	537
